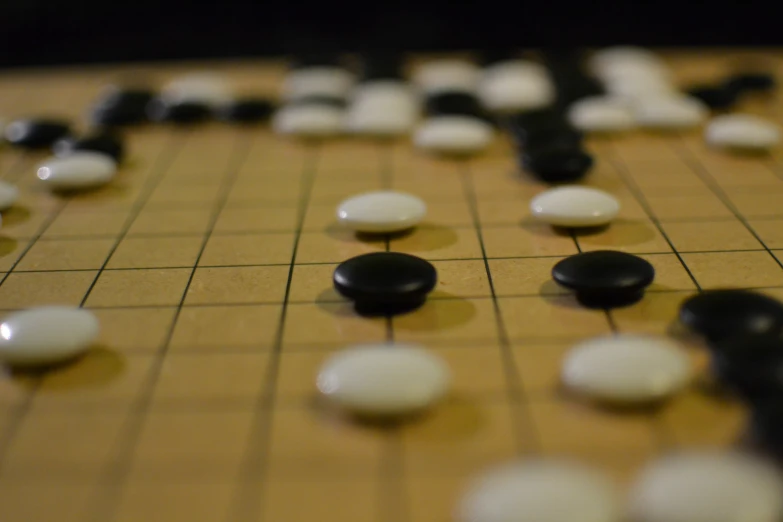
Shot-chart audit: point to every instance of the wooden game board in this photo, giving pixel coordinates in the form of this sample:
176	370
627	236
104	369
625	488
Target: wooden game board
209	265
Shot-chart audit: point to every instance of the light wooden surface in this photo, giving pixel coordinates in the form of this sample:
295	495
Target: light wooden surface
209	264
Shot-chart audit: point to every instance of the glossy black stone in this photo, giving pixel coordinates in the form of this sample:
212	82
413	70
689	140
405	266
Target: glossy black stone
574	89
531	129
454	103
751	366
36	133
181	113
557	164
605	278
717	97
719	315
247	110
121	107
752	82
383	283
565	137
104	142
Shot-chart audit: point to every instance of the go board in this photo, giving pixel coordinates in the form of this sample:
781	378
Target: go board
209	262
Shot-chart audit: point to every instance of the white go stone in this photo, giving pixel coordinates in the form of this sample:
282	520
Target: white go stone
626	368
8	195
309	120
453	135
382	108
574	206
601	114
447	75
707	486
635	88
540	490
384	379
46	335
612	59
669	112
515	86
79	170
327	81
742	131
209	89
383	211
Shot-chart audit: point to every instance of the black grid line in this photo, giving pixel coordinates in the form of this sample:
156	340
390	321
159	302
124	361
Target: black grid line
526	432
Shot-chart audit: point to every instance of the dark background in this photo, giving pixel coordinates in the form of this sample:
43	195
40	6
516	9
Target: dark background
39	32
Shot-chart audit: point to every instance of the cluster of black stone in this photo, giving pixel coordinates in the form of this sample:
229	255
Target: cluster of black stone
57	134
550	148
726	93
743	331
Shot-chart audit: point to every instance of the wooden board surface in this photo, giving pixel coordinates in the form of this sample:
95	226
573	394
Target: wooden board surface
209	262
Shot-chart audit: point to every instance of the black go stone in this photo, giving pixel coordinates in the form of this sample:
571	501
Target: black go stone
751	366
104	142
719	315
748	82
122	107
556	164
543	127
331	101
716	97
385	283
179	113
36	133
605	278
247	110
454	103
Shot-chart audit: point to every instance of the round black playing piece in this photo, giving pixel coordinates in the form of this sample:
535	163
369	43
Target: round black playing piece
556	164
247	110
104	142
36	133
605	278
565	137
717	97
454	103
751	366
180	113
383	283
543	127
121	107
719	315
752	82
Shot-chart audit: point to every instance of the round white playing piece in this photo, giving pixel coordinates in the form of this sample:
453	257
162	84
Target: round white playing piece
78	171
601	114
206	88
541	490
515	86
382	108
309	120
669	112
742	131
46	335
8	195
707	486
626	368
384	211
446	75
453	135
574	206
384	379
326	81
611	59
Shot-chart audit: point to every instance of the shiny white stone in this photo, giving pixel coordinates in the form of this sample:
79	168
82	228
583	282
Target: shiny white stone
309	120
612	59
447	75
79	170
317	81
206	88
381	212
574	206
382	108
8	195
540	490
601	114
453	135
626	368
634	88
515	86
46	335
669	112
384	379
742	131
707	486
